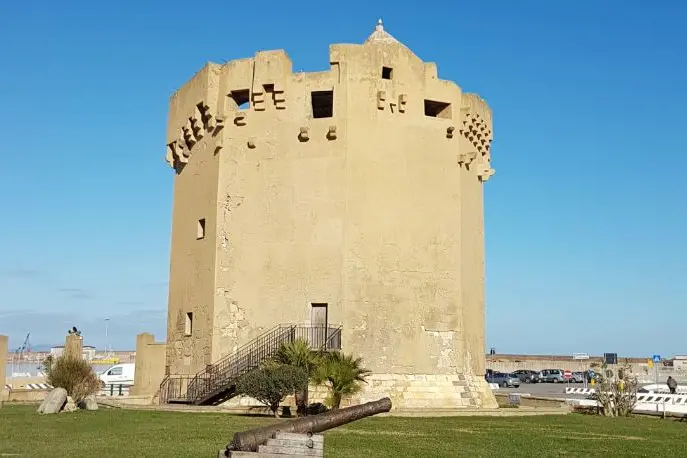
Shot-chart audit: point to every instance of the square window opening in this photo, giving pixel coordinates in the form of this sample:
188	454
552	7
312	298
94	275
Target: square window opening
188	328
322	104
436	109
387	73
200	230
241	98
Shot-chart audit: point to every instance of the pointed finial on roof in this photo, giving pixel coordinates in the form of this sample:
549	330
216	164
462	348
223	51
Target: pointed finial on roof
380	35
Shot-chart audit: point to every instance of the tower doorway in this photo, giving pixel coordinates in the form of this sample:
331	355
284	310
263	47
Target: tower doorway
318	320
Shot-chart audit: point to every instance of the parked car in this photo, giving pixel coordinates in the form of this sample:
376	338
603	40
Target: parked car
578	377
504	380
527	376
119	374
551	376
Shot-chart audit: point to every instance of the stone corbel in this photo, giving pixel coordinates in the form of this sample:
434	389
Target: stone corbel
304	134
279	99
331	133
258	100
182	150
467	158
240	118
196	127
449	131
217	124
251	143
170	154
485	174
381	98
187	135
402	100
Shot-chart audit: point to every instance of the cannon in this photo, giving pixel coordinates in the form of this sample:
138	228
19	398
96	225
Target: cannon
249	441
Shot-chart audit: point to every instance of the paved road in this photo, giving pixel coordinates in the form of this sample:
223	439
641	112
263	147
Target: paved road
549	390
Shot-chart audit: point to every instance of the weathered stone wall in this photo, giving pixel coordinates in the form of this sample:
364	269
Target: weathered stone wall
73	346
374	209
193	249
150	365
279	244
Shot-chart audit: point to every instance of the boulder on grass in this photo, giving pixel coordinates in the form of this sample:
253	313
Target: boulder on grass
88	403
54	401
70	406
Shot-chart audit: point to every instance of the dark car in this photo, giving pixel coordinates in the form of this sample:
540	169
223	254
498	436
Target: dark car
527	376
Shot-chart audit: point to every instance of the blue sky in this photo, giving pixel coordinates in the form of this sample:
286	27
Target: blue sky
585	221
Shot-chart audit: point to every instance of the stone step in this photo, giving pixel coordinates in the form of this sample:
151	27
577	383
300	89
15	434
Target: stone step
319	445
290	450
263	455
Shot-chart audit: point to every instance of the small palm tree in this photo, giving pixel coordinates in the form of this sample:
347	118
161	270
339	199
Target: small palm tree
342	374
299	354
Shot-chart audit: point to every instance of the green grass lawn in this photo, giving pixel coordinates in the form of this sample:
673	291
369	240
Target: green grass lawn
130	433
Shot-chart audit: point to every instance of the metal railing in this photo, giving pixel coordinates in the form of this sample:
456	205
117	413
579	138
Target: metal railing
114	389
174	388
221	376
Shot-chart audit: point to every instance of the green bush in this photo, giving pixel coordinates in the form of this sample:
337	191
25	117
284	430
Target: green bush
74	375
299	354
272	383
342	374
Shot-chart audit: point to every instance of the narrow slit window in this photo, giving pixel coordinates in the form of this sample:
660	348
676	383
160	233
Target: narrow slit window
387	73
436	109
322	104
200	230
188	328
241	98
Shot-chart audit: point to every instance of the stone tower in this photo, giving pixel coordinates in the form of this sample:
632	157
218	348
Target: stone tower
351	196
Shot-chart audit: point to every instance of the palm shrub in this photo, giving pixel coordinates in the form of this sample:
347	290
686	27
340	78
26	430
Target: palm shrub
74	375
299	354
342	374
271	383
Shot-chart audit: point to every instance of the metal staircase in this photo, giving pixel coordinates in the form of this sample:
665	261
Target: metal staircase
217	382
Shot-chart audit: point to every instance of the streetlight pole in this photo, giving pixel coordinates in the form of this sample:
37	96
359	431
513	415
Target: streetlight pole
107	325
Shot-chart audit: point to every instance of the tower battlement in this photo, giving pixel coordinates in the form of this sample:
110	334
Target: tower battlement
263	90
350	197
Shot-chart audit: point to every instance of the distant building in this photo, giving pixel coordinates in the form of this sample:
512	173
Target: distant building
680	363
88	352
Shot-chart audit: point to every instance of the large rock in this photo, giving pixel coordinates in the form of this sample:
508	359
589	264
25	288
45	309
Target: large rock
70	406
89	403
54	401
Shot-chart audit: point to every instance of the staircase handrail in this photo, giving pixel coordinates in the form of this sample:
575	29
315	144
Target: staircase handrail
225	371
232	366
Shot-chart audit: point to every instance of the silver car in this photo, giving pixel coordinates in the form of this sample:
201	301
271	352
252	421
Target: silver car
504	380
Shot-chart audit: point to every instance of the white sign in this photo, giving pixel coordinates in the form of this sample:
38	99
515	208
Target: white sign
580	356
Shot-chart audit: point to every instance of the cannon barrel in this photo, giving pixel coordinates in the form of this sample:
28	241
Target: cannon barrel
248	441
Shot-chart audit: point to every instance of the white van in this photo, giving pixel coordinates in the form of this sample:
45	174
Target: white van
119	374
